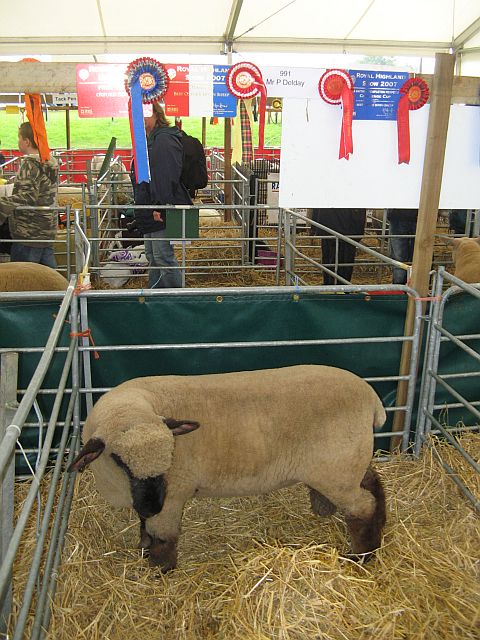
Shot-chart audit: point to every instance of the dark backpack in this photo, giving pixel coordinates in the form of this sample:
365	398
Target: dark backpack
194	173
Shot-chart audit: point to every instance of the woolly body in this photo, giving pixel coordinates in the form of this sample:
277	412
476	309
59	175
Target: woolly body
466	257
30	276
259	431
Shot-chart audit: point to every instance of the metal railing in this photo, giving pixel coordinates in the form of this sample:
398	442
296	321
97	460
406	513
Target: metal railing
434	381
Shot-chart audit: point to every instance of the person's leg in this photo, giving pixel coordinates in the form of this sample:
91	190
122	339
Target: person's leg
164	256
328	258
401	248
346	255
398	249
25	253
154	274
48	258
356	219
458	221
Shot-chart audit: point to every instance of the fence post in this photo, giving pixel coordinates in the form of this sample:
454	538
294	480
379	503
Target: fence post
436	143
8	406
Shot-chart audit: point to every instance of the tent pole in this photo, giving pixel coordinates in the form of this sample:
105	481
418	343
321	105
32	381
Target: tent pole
227	146
440	99
67	125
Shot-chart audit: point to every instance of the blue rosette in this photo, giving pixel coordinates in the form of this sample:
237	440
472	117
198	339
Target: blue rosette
146	81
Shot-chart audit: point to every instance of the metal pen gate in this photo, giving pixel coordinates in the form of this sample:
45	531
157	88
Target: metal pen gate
228	339
451	374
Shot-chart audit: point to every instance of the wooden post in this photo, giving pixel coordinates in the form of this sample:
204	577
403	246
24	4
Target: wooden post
67	125
440	99
204	132
227	169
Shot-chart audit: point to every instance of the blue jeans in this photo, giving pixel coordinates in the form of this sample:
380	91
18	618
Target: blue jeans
401	249
31	253
160	254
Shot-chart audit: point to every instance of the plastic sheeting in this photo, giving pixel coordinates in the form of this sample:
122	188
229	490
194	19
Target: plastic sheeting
114	26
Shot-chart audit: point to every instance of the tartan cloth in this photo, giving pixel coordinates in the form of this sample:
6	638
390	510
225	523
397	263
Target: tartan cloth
246	130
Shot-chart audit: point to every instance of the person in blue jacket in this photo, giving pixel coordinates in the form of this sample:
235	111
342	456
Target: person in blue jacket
165	152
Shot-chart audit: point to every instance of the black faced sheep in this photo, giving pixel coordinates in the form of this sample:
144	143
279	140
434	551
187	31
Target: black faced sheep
251	432
30	276
466	257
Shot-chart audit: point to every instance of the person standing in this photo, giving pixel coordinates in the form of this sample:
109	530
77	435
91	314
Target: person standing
348	222
36	184
403	222
165	153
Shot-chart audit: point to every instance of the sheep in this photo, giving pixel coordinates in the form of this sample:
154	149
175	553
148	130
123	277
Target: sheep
466	257
30	276
260	431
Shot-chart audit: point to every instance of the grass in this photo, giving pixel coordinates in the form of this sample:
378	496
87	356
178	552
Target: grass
87	133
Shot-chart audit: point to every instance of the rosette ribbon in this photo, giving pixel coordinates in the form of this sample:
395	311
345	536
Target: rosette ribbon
146	81
33	108
336	87
244	80
414	94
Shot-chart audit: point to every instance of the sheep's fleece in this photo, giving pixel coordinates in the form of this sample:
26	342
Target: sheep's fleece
466	257
30	276
246	433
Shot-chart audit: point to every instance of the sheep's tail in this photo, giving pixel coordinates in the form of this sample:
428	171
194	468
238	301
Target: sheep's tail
379	416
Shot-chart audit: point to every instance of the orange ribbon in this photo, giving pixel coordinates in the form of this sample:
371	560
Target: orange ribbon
346	137
403	129
33	106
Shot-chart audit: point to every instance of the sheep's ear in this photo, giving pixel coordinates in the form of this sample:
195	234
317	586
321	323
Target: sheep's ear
449	241
477	240
90	452
146	448
180	427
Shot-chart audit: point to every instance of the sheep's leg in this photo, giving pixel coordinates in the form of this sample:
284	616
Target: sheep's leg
321	505
364	511
164	528
145	539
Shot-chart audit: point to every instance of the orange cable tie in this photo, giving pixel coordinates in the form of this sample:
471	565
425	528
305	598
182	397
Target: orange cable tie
86	334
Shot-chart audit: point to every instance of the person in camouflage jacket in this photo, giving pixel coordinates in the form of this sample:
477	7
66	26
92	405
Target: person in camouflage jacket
36	184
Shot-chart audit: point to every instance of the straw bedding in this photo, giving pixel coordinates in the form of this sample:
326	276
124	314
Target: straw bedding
266	567
214	260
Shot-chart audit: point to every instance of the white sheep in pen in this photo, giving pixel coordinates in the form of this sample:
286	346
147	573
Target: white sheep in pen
251	432
30	276
466	257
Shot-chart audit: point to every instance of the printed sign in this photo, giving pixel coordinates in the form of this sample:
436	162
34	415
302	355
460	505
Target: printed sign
198	90
291	82
377	94
101	91
176	97
64	99
224	104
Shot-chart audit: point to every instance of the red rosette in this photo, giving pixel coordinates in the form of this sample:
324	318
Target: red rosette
336	87
413	95
244	80
332	83
151	75
417	92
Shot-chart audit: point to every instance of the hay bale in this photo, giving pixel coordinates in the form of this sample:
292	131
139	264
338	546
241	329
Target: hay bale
266	567
69	195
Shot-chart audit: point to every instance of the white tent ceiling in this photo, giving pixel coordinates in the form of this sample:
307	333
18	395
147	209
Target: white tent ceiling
96	27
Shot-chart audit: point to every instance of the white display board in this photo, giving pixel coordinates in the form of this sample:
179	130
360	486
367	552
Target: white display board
311	175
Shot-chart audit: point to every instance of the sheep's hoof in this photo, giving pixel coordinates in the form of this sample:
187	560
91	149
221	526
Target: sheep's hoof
361	558
145	541
163	554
